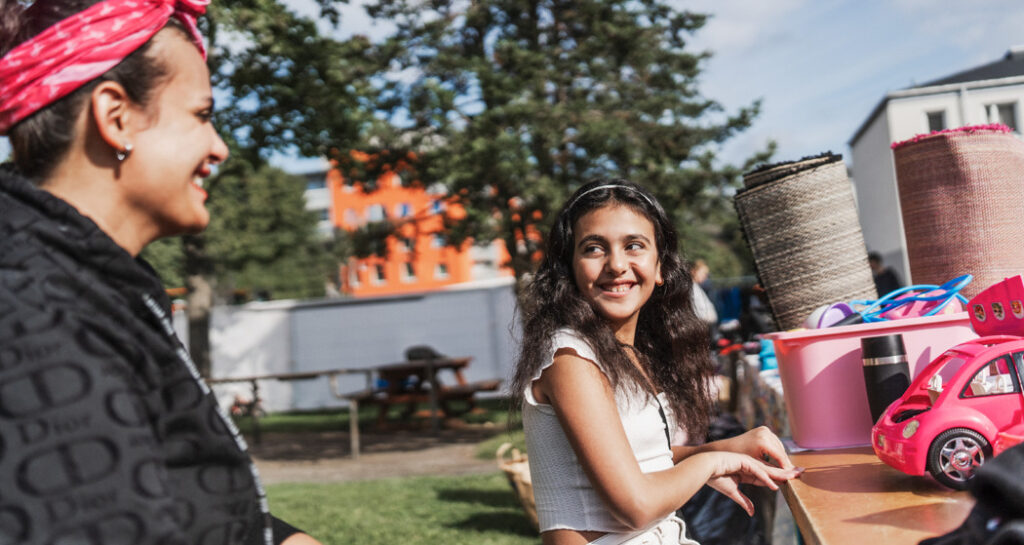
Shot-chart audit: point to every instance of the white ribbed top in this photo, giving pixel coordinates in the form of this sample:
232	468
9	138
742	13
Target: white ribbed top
565	499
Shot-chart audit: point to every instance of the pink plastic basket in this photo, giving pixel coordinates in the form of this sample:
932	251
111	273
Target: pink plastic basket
999	308
823	379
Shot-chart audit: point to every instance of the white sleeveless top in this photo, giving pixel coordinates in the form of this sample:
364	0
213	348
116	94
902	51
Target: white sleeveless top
563	493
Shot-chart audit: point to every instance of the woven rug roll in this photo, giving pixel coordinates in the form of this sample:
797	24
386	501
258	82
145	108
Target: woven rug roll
800	220
962	199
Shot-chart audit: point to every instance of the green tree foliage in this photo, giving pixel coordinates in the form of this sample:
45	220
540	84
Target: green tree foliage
514	104
263	239
167	257
288	87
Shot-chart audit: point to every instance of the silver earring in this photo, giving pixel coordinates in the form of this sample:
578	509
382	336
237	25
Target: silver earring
123	154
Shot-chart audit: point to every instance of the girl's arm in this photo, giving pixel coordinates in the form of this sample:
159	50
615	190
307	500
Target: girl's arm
584	403
760	443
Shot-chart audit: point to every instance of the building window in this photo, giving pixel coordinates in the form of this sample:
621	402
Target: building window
437	207
375	212
325	215
937	121
353	277
408	272
403	210
441	271
1005	113
378	277
407	244
438	241
315	183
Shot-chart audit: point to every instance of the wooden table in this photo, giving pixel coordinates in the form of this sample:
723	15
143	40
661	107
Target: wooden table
848	496
416	381
422	372
408	382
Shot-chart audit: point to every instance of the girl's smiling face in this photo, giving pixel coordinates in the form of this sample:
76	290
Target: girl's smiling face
615	264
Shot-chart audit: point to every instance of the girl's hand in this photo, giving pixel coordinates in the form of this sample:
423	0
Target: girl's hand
758	443
731	469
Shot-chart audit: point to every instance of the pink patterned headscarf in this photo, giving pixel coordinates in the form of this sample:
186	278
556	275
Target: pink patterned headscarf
82	47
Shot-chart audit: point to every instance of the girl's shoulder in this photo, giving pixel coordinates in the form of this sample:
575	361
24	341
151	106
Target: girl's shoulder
562	339
570	338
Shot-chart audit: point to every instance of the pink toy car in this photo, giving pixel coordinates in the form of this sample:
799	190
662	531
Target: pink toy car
964	407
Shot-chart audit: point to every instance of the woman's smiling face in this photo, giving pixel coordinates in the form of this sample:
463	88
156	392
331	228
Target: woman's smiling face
177	144
615	264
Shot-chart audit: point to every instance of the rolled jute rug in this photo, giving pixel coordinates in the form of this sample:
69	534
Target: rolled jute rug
800	220
962	199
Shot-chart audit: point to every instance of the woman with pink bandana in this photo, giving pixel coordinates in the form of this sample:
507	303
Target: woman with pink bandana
107	433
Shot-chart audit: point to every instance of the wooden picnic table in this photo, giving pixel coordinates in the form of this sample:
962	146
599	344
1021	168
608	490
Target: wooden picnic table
416	381
408	382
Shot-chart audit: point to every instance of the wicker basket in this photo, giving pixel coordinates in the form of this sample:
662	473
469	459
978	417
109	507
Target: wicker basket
517	469
962	198
800	220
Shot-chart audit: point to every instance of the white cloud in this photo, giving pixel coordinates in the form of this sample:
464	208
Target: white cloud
737	27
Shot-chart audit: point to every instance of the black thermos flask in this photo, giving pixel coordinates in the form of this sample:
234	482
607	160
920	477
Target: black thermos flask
886	372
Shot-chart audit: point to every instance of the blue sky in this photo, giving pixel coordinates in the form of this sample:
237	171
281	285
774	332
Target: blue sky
819	66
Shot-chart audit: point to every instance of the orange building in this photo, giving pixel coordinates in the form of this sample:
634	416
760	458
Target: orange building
418	257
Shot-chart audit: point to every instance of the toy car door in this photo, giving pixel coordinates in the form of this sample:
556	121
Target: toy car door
995	391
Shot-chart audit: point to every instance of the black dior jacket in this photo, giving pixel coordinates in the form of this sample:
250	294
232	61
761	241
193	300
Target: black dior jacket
997	517
107	433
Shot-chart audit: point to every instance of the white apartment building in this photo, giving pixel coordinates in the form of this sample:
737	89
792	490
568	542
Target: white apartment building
991	93
318	200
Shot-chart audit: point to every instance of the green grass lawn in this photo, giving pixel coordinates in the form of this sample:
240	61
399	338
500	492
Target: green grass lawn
476	509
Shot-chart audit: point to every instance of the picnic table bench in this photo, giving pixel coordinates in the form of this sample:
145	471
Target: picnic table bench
414	382
406	383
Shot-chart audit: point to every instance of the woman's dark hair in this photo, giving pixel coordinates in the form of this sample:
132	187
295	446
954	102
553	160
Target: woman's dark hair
671	342
41	140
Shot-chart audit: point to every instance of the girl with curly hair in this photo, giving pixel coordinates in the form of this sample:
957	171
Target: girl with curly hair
613	363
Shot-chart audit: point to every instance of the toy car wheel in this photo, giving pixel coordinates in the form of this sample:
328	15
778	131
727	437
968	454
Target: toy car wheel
954	456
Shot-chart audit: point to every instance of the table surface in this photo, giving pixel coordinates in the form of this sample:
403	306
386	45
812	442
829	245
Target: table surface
305	375
396	373
850	496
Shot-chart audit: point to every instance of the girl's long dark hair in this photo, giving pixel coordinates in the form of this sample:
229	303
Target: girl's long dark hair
671	342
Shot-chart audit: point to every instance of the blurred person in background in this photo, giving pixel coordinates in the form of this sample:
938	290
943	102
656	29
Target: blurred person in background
702	304
885	278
